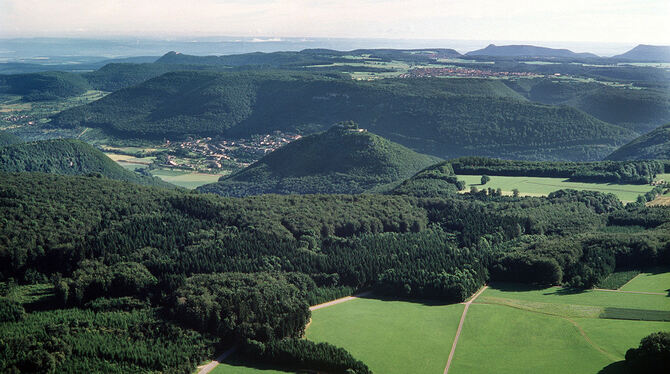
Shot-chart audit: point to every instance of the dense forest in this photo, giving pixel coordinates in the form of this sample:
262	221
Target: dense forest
344	159
184	267
632	172
70	157
7	138
652	146
635	109
44	86
441	117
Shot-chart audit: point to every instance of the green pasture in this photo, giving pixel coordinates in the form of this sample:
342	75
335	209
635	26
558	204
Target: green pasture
541	186
558	295
617	336
185	178
499	339
652	281
390	336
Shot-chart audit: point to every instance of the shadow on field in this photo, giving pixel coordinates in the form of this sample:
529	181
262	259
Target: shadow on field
516	287
238	361
426	302
566	291
618	367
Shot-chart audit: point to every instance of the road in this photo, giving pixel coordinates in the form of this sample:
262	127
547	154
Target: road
460	327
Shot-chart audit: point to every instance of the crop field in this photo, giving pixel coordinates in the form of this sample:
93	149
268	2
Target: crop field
390	336
657	280
185	178
541	186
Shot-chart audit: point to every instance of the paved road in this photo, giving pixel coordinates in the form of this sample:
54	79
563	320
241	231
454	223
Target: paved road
460	327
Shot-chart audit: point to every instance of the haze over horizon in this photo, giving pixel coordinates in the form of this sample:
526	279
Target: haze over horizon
571	22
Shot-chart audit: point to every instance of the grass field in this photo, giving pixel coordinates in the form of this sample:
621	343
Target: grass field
499	339
653	281
233	366
390	336
185	178
557	295
540	186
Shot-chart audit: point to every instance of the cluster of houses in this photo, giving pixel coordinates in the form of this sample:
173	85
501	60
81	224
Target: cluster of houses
462	72
217	152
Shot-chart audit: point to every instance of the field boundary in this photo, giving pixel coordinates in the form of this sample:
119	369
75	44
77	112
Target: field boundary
633	292
339	301
460	327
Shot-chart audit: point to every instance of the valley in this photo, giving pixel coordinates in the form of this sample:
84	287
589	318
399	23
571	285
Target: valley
502	210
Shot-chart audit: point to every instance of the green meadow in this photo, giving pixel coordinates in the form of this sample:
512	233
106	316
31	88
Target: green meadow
390	336
185	178
540	186
654	281
499	339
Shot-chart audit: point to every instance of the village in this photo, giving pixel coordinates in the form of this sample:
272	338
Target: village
426	72
214	154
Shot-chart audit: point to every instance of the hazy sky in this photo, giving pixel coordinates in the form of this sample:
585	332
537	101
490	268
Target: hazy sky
626	21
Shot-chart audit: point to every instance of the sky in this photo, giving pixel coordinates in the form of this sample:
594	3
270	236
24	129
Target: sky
609	21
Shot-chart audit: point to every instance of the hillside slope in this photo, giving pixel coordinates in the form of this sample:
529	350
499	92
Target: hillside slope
44	86
527	51
344	159
442	117
8	139
646	53
67	157
652	146
640	110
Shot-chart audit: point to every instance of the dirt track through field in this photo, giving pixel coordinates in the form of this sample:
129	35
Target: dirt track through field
210	366
460	327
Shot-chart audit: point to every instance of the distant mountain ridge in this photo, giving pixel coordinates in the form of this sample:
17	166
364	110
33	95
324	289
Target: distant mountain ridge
344	159
646	53
527	51
652	146
67	157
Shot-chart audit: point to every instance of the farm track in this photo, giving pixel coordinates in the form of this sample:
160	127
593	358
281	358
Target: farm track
460	327
214	363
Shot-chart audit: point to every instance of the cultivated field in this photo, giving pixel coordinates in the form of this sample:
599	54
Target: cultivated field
540	186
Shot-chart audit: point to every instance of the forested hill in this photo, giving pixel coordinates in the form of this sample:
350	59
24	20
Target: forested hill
308	57
8	139
443	117
651	53
638	110
69	157
527	51
44	86
344	159
652	146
